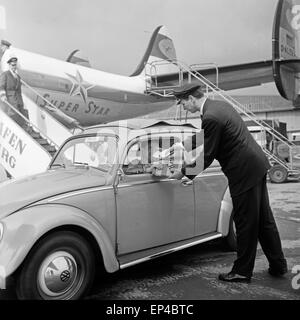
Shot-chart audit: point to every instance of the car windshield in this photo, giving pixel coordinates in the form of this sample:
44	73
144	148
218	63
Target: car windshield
98	152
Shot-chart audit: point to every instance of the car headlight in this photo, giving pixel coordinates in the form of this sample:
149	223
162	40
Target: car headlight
1	231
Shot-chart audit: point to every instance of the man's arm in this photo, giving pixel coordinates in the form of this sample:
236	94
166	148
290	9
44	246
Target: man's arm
212	136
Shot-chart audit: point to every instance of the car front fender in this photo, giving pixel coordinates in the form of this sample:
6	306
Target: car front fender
225	213
24	228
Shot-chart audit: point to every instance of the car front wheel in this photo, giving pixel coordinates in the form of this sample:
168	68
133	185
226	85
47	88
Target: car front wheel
60	267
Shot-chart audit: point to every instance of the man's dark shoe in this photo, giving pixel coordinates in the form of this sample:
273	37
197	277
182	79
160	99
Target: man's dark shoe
276	272
234	277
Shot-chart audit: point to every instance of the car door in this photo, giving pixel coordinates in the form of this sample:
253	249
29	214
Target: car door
151	211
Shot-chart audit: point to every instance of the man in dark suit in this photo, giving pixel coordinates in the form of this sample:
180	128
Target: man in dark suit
227	139
10	91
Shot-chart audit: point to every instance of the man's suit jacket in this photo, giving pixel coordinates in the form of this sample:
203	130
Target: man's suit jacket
12	87
227	139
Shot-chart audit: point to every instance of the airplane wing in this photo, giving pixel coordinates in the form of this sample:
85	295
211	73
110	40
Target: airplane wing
226	77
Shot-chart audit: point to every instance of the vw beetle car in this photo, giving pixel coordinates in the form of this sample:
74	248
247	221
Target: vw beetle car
99	204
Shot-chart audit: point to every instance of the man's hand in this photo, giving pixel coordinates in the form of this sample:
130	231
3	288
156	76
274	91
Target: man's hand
158	169
150	169
176	175
3	96
175	151
178	155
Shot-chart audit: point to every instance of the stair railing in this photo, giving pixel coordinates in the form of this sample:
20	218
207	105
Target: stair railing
249	114
191	73
45	136
50	104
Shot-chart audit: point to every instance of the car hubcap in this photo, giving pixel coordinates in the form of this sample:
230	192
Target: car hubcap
57	274
278	175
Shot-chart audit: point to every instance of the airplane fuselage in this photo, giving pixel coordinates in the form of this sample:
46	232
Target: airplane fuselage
87	95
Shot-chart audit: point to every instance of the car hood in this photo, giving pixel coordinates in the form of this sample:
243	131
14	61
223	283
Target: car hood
20	193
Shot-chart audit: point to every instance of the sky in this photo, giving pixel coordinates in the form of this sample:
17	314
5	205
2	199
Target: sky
114	34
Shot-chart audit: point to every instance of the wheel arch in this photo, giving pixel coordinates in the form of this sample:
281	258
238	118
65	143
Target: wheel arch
225	213
86	234
35	223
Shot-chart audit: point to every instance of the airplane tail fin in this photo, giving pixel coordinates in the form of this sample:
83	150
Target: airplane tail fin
160	48
286	49
76	58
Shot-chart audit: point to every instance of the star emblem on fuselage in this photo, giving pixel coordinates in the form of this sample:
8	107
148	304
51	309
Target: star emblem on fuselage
79	86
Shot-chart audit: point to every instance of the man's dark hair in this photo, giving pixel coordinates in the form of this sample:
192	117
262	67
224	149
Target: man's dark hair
188	89
195	93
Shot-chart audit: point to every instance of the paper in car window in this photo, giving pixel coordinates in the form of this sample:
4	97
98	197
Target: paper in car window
94	139
165	153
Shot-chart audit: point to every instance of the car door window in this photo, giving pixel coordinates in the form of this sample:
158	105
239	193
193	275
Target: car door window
142	154
133	161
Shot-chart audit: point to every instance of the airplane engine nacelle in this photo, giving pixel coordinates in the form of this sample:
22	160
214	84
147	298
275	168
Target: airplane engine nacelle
286	50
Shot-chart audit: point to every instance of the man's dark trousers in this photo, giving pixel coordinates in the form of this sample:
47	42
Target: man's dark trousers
254	220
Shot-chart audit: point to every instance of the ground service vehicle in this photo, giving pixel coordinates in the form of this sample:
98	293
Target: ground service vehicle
284	156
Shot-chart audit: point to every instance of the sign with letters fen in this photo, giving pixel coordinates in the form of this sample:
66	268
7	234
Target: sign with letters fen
20	154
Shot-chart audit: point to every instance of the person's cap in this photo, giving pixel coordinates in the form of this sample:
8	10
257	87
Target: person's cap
5	43
185	90
12	59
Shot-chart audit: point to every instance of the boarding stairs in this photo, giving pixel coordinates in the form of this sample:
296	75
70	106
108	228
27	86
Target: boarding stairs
45	143
193	73
28	149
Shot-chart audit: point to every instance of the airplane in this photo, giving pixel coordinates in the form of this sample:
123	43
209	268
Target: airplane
92	97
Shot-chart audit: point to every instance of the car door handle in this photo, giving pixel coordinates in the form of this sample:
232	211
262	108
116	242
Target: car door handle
186	183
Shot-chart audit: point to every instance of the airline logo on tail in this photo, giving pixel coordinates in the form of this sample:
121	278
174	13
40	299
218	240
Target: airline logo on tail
167	48
163	47
160	48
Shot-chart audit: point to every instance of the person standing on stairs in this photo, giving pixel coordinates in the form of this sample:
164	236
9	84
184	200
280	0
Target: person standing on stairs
11	93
